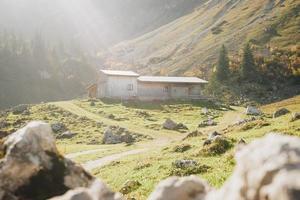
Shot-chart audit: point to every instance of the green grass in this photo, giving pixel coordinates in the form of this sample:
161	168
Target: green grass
154	165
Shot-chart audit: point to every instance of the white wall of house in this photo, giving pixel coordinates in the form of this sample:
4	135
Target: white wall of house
123	87
164	91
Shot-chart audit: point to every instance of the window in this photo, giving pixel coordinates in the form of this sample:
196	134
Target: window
166	89
130	87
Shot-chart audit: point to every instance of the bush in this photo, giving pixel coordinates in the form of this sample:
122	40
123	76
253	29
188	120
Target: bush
219	146
189	170
181	148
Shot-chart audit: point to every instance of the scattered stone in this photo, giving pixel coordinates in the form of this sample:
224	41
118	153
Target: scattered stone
208	122
129	186
204	111
186	188
213	135
143	114
110	138
116	135
280	112
127	138
185	163
169	124
19	109
58	127
295	116
67	135
181	126
181	148
193	134
96	191
111	116
251	110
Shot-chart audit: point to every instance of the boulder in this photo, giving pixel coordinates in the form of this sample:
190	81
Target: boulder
67	135
268	168
186	188
58	127
213	135
96	191
185	163
204	111
251	110
208	122
32	166
169	124
127	138
110	138
295	116
280	112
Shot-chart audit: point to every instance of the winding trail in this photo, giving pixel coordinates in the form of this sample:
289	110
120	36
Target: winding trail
90	165
160	140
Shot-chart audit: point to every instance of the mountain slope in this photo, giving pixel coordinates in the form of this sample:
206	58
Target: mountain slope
190	44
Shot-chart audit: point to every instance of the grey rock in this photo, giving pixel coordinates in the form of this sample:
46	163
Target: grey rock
251	110
280	112
58	127
97	191
110	138
31	152
185	163
67	135
295	116
186	188
169	124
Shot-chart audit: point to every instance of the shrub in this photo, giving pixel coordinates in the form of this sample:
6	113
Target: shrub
218	146
189	170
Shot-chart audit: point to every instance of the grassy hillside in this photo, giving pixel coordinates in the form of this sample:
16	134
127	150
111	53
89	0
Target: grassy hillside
190	44
151	159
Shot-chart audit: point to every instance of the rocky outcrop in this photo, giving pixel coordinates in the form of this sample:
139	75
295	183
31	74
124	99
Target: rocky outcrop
116	135
280	112
171	125
33	169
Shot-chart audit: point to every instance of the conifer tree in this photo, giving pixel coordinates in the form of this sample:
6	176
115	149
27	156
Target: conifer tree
248	68
222	70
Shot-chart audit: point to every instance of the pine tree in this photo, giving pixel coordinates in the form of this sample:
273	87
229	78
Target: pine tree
222	70
248	68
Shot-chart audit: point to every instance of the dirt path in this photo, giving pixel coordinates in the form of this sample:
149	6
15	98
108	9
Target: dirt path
90	165
81	153
229	118
158	142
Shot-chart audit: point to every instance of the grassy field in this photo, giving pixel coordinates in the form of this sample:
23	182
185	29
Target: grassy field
90	119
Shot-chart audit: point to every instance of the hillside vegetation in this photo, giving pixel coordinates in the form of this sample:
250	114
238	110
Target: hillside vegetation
189	45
